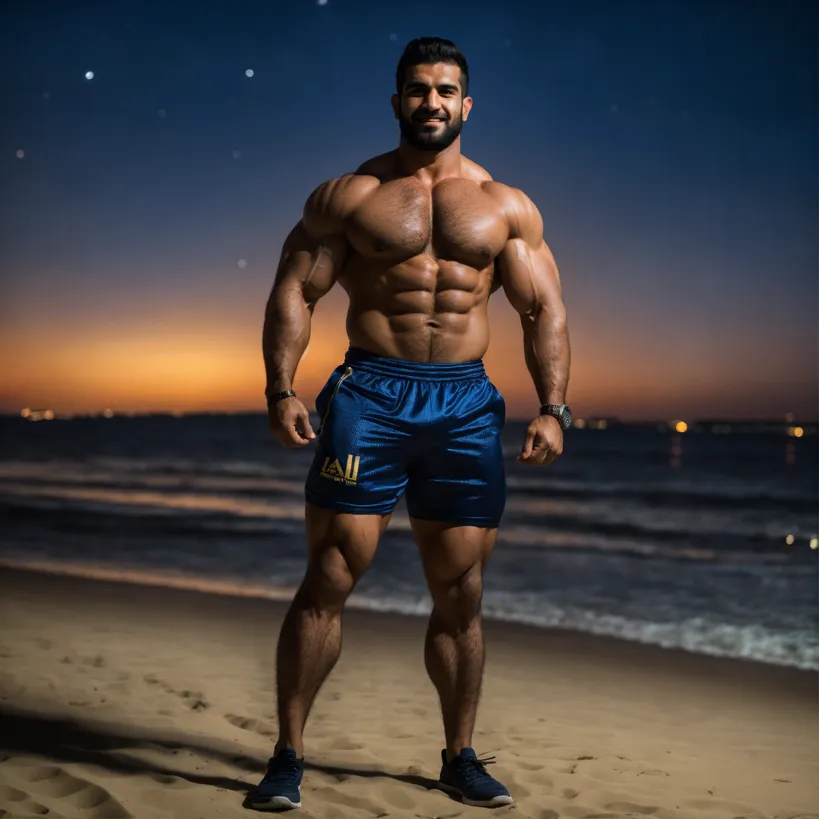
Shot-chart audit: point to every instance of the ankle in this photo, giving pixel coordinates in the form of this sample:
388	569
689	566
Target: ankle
281	745
455	750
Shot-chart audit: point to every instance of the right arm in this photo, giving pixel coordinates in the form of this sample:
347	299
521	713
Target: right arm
312	259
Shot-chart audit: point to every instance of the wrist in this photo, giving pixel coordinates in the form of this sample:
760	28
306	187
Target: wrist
560	412
273	397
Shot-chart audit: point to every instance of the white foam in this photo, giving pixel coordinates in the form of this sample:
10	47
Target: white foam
699	635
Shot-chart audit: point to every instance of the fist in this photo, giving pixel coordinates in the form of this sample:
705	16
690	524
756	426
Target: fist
544	442
290	423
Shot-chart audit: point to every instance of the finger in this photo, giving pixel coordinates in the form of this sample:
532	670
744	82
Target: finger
528	445
542	456
306	429
294	437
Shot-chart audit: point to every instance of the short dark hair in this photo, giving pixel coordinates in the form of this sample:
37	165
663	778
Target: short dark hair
425	50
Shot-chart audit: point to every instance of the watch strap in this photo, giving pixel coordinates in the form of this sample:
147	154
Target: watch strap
275	397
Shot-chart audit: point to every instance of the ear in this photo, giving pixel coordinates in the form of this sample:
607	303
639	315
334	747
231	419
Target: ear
396	105
466	107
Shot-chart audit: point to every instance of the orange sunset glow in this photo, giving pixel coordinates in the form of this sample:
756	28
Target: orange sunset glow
210	360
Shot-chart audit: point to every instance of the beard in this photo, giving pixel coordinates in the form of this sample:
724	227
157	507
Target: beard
416	134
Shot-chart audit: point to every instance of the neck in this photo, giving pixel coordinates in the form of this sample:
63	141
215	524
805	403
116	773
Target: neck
429	165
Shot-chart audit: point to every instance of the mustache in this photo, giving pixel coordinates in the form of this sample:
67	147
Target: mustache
419	116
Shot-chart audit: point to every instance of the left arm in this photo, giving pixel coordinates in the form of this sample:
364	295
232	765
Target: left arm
531	281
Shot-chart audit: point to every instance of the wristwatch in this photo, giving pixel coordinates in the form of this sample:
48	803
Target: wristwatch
559	411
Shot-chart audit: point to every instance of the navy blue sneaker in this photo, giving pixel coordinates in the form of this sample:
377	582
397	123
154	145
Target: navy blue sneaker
281	787
466	776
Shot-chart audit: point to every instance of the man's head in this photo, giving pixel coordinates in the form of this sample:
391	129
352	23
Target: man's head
431	103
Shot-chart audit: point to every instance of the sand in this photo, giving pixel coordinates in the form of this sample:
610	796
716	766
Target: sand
119	700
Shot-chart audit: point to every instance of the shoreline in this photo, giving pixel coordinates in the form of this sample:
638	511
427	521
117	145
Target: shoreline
178	581
124	700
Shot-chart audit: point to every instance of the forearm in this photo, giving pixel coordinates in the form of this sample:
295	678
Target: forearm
548	355
285	335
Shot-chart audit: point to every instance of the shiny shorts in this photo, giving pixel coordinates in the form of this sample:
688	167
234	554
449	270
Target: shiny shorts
432	430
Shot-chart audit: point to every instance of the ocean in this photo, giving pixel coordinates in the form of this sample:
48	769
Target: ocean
636	532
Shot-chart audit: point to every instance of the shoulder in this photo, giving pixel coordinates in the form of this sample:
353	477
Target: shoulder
524	218
474	172
332	202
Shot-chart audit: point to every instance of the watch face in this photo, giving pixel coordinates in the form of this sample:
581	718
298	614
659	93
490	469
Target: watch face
566	417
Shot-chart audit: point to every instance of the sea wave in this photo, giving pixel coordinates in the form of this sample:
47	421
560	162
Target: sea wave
700	635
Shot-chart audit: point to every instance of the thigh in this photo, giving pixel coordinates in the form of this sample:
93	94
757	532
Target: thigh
459	478
360	463
453	558
341	546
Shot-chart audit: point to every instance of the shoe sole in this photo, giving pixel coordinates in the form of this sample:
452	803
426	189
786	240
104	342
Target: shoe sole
494	802
275	803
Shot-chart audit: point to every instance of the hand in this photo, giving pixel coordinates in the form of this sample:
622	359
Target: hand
544	442
290	423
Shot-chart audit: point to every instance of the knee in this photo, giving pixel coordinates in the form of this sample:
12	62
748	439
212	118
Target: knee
328	583
458	602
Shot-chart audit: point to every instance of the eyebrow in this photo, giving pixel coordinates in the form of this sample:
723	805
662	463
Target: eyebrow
444	86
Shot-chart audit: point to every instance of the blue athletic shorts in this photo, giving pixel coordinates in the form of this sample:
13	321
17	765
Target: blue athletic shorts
389	425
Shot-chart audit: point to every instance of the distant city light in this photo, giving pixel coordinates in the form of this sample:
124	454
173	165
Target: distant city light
109	413
37	414
814	543
89	75
796	432
579	423
249	72
242	264
20	153
789	540
789	417
680	426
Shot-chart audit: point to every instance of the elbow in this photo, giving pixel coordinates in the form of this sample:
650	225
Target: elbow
545	317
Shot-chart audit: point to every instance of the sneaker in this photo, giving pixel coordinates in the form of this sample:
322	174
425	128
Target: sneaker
281	787
466	776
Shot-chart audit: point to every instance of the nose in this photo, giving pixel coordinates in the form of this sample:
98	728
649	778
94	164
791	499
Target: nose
433	100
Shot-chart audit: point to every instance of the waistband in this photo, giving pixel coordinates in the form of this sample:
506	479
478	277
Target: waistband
365	361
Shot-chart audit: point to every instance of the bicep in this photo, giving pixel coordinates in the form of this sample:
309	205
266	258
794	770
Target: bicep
311	263
530	278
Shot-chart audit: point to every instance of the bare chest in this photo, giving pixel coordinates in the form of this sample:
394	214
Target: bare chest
454	221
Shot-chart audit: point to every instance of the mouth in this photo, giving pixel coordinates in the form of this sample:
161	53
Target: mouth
432	121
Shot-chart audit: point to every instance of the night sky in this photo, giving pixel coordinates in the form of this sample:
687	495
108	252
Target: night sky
670	146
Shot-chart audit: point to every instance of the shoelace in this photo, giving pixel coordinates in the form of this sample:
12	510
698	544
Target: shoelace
281	765
476	768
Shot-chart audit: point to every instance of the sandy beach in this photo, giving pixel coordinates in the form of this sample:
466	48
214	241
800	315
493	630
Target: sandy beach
119	700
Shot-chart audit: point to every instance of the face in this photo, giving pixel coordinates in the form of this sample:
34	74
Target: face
431	108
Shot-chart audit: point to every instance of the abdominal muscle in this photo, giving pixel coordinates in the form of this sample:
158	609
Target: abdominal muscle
419	310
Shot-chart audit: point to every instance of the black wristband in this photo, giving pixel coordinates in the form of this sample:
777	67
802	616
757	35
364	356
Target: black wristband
279	396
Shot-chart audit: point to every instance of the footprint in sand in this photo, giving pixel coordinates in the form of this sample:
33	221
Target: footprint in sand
95	802
257	726
195	700
32	808
9	794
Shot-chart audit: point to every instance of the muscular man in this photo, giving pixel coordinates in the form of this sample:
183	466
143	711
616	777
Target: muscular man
419	238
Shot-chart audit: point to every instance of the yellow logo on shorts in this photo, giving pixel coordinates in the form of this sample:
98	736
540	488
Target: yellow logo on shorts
332	469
